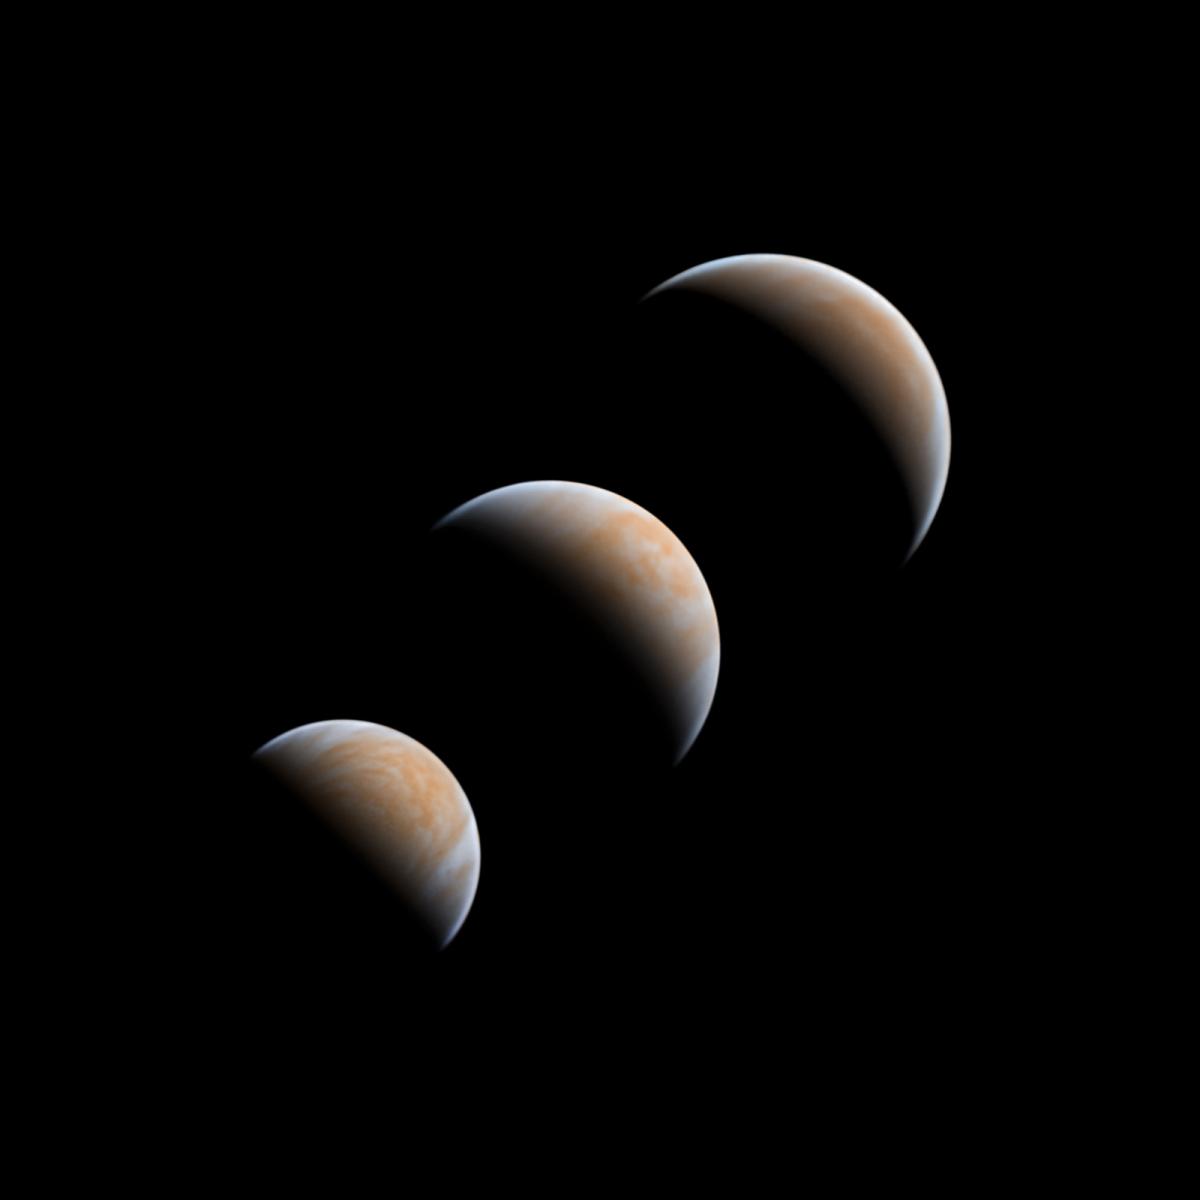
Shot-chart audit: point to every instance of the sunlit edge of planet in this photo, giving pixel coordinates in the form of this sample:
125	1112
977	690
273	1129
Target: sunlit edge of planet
942	433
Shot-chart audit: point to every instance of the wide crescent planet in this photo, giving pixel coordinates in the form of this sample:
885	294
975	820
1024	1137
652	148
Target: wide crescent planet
629	570
394	802
862	340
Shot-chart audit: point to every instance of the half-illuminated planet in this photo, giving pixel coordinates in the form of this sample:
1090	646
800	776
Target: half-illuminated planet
862	344
395	803
626	569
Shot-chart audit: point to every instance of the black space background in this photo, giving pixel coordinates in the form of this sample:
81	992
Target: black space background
841	894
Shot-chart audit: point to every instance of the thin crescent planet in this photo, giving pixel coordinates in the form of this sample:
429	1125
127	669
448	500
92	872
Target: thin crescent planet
625	566
393	801
859	336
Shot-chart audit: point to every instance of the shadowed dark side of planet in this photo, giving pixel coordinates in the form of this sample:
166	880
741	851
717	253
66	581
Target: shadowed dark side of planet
776	410
320	905
531	672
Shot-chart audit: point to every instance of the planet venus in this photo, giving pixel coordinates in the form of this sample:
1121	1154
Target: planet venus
394	802
624	566
862	340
